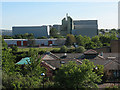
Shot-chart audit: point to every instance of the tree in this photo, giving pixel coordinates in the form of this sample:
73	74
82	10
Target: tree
31	42
14	49
105	39
76	76
53	32
97	42
63	49
80	40
102	30
90	45
4	44
113	30
86	40
70	40
80	49
118	31
7	61
43	37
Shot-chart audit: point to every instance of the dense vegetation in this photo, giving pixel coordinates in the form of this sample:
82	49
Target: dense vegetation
69	75
29	76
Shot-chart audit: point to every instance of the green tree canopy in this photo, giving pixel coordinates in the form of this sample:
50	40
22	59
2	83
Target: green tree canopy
96	41
80	49
53	32
76	76
4	44
80	40
63	49
70	40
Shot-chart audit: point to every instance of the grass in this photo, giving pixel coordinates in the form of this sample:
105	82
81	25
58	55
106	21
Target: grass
39	49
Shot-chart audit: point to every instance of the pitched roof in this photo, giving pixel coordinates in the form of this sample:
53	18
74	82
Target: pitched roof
90	51
57	63
50	56
69	55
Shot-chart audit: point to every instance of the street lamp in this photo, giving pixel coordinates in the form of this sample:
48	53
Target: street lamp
43	74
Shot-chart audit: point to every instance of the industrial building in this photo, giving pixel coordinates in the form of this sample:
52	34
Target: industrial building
38	42
67	26
85	27
7	32
79	27
57	27
37	31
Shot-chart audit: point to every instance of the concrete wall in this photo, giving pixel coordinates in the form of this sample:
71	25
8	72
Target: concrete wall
38	31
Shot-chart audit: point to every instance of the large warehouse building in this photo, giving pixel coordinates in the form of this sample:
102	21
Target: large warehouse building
85	27
38	31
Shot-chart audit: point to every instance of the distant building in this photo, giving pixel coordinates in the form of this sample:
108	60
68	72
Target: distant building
57	27
85	27
37	42
7	32
67	26
37	31
79	27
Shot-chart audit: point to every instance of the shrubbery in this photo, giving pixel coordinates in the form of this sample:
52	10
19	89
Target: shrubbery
80	49
63	49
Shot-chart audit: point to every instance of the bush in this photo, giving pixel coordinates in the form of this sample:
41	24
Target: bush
63	49
71	50
55	51
42	52
14	49
80	49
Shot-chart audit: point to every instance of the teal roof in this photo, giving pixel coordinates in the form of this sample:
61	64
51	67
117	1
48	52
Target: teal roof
24	61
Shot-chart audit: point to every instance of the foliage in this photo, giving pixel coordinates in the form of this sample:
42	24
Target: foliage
80	49
80	40
14	49
7	61
43	37
32	52
97	42
70	40
7	37
55	51
24	36
16	76
90	45
31	42
76	76
4	44
53	32
63	49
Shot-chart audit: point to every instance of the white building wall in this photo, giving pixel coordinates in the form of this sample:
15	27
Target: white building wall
37	41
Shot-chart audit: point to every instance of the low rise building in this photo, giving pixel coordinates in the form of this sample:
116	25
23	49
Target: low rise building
37	42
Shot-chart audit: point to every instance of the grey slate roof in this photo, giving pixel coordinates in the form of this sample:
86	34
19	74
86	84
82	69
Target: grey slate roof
108	64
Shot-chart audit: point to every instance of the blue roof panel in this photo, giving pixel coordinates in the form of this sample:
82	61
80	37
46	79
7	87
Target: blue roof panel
24	61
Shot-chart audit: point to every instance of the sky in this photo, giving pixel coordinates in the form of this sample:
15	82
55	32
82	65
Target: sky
49	13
